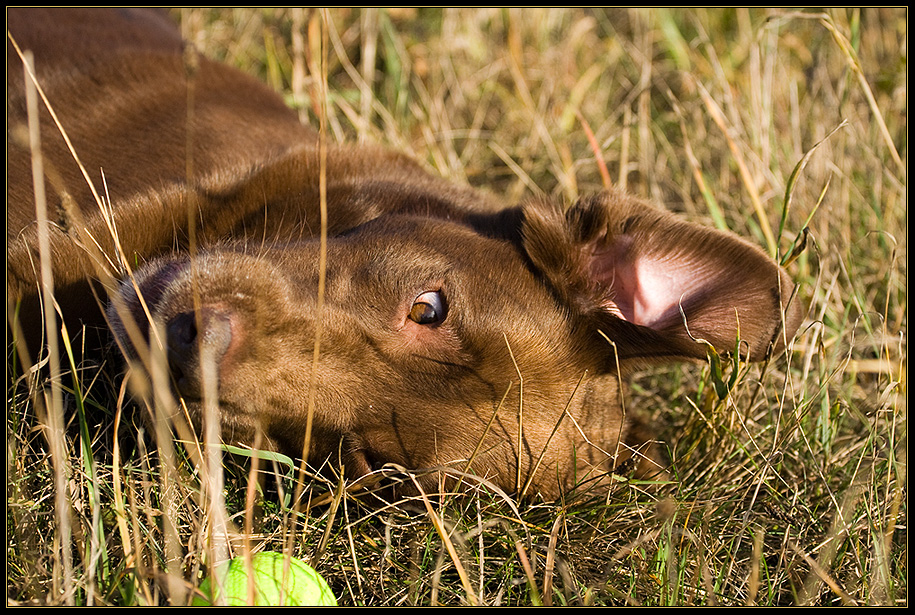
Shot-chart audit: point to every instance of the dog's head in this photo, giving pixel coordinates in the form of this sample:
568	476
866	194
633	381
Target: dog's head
492	344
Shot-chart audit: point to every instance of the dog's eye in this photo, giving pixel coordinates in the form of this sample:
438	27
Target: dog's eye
428	308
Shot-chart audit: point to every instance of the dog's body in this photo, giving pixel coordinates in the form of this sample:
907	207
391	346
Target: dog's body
453	332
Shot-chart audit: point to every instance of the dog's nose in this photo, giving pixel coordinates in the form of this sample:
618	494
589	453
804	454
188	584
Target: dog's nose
197	344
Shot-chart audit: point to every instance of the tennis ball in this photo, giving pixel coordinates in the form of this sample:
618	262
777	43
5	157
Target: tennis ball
303	586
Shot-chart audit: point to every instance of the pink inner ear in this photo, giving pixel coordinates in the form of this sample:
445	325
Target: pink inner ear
642	289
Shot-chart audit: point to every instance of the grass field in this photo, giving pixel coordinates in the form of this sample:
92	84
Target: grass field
788	128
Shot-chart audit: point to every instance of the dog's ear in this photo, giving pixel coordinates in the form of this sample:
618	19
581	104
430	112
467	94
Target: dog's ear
655	285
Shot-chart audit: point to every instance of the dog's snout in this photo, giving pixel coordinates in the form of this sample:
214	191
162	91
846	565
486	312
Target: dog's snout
197	340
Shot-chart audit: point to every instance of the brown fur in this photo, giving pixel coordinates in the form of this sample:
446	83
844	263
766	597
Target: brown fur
542	309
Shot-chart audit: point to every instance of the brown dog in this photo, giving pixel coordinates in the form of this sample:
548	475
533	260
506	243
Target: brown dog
453	332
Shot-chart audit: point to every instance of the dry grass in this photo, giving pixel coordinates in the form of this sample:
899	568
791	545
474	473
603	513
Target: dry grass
790	486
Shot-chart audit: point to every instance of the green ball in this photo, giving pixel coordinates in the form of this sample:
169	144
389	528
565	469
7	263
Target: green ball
303	586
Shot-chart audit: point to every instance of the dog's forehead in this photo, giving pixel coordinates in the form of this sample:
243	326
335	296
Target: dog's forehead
402	254
391	254
427	240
